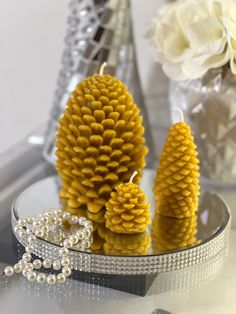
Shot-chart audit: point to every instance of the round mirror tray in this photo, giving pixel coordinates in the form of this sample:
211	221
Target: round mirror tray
169	244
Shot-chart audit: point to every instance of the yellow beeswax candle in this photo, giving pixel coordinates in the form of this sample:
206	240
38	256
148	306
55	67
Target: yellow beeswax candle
127	244
99	232
99	143
176	187
127	209
171	233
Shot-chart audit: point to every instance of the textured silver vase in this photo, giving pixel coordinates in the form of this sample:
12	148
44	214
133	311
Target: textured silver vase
98	31
209	106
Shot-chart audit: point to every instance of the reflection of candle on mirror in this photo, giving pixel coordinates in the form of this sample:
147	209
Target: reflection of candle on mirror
176	187
127	244
170	233
127	209
100	143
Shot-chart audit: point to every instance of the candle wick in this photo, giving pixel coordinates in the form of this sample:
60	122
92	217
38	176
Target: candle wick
132	177
102	68
181	115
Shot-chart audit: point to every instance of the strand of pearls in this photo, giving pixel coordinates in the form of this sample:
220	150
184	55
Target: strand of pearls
31	228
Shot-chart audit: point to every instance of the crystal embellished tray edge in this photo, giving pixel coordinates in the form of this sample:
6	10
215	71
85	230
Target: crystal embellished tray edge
136	265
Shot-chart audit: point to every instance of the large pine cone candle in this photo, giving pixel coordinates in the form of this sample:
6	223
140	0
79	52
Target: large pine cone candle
99	143
176	187
127	209
171	234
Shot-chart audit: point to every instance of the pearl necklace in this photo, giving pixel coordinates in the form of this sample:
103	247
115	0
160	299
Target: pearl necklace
42	226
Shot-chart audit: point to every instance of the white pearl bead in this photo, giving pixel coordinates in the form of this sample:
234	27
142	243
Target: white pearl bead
25	272
31	239
51	279
73	220
21	233
88	224
63	251
21	222
18	268
45	220
26	257
30	220
65	261
74	238
37	224
22	262
32	276
82	220
68	243
29	266
53	220
46	229
29	231
56	265
29	248
39	233
65	216
41	278
66	271
80	234
86	244
17	228
86	232
37	264
47	263
9	271
61	278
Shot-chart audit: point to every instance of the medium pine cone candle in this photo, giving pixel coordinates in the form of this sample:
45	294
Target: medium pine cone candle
127	244
99	143
176	187
171	233
127	209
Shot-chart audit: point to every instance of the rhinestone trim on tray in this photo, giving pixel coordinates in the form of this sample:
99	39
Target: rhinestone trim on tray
136	265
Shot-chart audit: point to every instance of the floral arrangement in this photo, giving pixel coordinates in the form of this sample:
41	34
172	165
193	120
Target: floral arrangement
191	37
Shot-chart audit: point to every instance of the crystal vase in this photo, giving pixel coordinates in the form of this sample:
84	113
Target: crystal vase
209	107
98	31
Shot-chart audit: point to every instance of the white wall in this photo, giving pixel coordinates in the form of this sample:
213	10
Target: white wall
31	43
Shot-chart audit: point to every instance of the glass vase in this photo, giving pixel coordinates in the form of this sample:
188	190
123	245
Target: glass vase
209	107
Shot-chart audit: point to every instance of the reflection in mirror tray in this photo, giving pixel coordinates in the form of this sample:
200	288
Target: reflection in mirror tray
170	244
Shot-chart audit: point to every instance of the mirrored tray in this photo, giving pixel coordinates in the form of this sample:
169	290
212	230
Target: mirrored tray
169	244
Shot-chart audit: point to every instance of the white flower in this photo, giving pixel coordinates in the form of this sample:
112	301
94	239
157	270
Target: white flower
190	38
228	8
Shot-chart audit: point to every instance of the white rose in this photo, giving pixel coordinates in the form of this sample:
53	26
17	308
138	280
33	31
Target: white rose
189	38
228	8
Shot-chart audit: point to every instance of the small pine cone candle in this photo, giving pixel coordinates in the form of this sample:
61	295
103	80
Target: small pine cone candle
99	143
127	244
176	187
127	209
171	234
